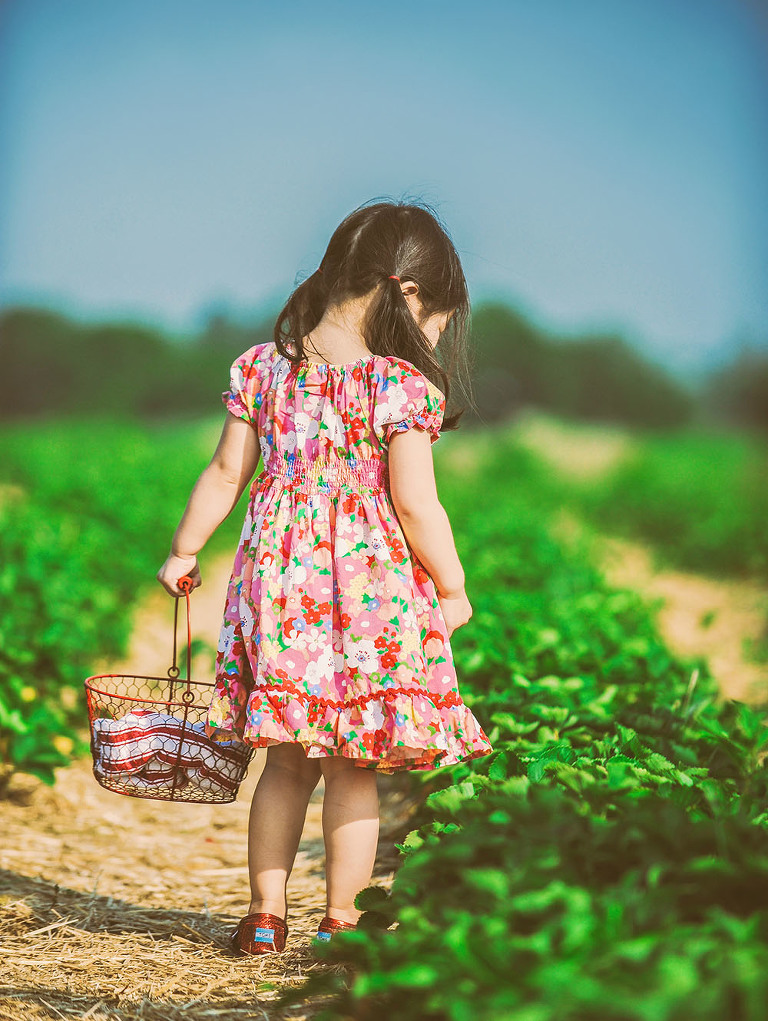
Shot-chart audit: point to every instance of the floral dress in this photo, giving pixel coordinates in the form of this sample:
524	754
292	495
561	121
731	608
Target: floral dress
333	636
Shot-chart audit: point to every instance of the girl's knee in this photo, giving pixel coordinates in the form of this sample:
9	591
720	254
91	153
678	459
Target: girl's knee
293	759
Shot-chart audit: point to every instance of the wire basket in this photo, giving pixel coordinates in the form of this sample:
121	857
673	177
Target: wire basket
148	735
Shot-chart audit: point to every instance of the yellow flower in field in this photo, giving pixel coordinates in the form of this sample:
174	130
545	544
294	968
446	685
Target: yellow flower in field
63	744
68	698
28	693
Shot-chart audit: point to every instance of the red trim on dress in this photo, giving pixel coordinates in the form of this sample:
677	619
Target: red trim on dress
389	694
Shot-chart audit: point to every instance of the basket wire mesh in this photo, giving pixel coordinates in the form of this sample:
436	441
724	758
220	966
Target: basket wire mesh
148	735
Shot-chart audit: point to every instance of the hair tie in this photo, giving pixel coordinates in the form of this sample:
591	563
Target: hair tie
393	277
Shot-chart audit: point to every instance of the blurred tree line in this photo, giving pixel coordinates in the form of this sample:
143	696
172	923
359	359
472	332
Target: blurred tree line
51	365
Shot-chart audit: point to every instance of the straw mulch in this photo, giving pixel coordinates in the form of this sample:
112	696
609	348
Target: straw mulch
118	908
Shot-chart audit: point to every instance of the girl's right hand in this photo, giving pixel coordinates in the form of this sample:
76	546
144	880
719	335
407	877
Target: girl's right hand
175	568
456	610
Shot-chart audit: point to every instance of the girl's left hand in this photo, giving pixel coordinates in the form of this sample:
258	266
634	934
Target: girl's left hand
175	568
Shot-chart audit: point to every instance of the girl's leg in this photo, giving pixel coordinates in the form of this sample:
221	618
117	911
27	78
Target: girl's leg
278	810
350	831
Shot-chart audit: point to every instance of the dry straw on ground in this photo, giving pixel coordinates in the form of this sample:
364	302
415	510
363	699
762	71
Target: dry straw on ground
119	908
116	908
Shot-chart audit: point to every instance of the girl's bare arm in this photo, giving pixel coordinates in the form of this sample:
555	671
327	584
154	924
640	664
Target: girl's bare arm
424	521
214	495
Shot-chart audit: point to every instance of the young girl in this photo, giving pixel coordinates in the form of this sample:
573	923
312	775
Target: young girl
335	648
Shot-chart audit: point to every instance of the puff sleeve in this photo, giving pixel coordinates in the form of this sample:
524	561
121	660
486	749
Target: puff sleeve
243	397
409	399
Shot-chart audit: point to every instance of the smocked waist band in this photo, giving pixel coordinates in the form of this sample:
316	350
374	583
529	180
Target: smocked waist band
323	474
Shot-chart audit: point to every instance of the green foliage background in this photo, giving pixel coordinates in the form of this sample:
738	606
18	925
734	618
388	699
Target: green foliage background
87	511
608	860
136	370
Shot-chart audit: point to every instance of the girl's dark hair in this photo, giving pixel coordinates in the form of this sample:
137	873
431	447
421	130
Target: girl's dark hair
374	242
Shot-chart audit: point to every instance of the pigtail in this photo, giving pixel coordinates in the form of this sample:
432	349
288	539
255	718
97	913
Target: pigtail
390	329
300	315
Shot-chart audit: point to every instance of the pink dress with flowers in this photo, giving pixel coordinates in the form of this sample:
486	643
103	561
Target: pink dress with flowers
333	636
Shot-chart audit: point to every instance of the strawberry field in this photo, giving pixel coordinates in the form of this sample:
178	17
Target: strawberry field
607	863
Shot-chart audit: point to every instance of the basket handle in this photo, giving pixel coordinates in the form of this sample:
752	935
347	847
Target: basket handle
185	584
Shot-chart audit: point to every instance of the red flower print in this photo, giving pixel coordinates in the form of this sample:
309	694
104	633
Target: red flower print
398	551
357	429
289	628
420	574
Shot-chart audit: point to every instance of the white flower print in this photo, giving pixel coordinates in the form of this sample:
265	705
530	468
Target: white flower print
365	656
373	716
315	639
393	407
226	640
320	669
378	543
246	619
295	575
305	428
280	371
334	426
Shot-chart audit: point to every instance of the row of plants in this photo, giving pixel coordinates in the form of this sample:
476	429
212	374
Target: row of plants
699	497
608	861
87	511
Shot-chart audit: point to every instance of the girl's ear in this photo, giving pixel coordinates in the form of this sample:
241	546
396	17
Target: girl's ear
410	291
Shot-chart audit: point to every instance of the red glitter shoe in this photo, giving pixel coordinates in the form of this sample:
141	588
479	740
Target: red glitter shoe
329	926
259	933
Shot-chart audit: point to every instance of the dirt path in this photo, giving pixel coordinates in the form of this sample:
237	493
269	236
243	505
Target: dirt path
118	908
698	616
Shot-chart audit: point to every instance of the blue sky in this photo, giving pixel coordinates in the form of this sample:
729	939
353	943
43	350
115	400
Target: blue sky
599	164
